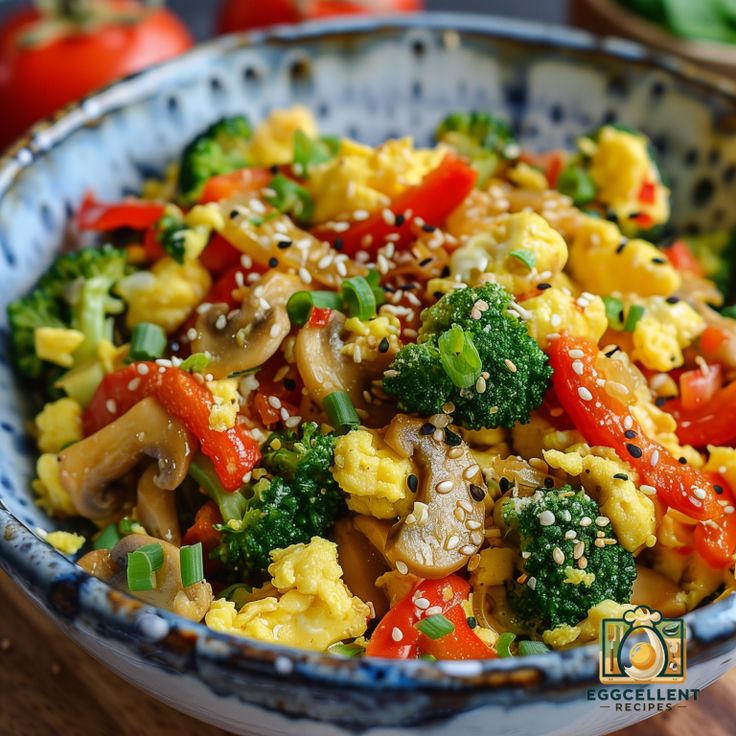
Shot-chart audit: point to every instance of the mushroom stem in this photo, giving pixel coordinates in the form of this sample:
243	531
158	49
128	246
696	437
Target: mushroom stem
156	508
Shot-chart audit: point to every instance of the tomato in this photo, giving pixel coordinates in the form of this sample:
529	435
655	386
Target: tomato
698	387
711	339
397	637
37	79
433	200
682	258
605	420
711	423
241	15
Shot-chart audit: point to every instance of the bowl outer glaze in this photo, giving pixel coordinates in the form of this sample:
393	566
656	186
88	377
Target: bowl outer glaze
370	79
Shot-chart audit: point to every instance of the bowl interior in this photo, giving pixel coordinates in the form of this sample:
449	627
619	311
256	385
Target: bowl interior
371	80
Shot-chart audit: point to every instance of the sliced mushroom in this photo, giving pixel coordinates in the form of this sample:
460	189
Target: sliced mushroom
156	508
191	602
446	527
324	368
247	337
86	468
99	563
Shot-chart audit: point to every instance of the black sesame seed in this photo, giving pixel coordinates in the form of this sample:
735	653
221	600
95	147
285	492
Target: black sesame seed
274	169
660	401
718	489
284	244
621	476
544	286
477	492
620	247
633	450
548	482
659	260
413	482
445	272
629	434
504	484
425	262
672	299
289	384
338	243
273	262
438	295
399	220
682	460
383	345
234	214
452	438
428	228
427	428
472	623
612	351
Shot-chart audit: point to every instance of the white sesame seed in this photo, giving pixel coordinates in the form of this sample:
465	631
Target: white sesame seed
628	422
388	217
401	567
143	369
648	490
586	521
468	550
654	459
584	394
546	518
471	471
305	276
699	492
570	534
422	603
578	550
134	384
473	525
444	486
510	365
602	520
397	634
274	401
532	583
576	353
480	385
558	556
452	542
577	366
111	406
221	322
433	611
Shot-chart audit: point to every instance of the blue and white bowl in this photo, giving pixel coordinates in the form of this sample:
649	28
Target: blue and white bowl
369	79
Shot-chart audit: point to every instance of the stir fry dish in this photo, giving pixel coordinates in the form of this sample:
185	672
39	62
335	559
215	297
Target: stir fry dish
453	402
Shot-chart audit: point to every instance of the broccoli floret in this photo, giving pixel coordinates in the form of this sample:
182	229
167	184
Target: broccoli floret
481	137
73	293
221	148
503	389
564	577
296	500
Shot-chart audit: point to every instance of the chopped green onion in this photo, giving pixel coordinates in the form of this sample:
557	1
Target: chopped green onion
346	650
729	311
107	538
126	526
435	627
614	312
527	257
340	411
231	505
155	553
147	342
529	648
576	183
290	198
191	564
300	304
309	152
636	312
374	281
459	357
428	657
359	298
140	573
195	363
237	593
257	220
503	644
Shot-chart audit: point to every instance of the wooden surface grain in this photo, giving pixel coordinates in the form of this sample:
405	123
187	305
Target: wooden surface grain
50	687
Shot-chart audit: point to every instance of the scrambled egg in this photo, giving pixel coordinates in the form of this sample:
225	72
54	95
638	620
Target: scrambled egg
496	567
58	425
527	177
588	629
554	310
365	178
314	608
620	168
56	344
373	475
67	543
224	411
722	460
537	435
200	221
370	334
632	513
165	295
516	250
273	140
53	498
663	331
604	262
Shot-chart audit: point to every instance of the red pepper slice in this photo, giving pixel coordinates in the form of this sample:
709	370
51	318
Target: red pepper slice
711	423
600	418
103	216
433	199
698	387
715	540
242	181
646	193
203	530
711	338
682	258
397	637
219	255
319	316
233	452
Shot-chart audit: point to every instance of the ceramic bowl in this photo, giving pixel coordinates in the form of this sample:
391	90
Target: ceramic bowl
369	79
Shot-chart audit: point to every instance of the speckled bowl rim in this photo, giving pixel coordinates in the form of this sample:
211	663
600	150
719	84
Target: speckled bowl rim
712	629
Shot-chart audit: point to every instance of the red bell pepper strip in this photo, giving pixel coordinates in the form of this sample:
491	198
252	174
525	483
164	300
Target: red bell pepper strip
711	423
604	420
682	258
219	255
242	181
646	193
203	529
397	637
433	200
711	338
698	387
319	316
233	452
102	216
715	540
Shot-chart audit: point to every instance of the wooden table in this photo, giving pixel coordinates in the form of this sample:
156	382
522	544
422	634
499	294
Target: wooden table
50	687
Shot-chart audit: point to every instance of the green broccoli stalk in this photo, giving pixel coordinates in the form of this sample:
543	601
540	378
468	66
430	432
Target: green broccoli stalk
295	500
476	353
73	293
480	137
564	575
219	149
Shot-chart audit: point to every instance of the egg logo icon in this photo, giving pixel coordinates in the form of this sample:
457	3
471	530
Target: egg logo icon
642	647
